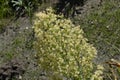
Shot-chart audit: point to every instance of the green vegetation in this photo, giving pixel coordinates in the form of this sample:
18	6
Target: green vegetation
69	7
102	29
13	9
5	10
61	47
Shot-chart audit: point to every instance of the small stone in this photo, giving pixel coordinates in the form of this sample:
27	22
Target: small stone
20	77
26	27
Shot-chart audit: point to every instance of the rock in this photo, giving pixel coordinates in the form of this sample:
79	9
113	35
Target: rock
11	70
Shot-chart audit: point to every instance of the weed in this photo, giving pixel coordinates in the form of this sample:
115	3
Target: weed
5	10
61	47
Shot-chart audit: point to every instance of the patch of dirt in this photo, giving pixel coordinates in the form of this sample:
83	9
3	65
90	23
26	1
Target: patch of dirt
16	48
91	4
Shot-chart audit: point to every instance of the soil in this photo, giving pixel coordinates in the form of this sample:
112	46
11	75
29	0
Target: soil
15	49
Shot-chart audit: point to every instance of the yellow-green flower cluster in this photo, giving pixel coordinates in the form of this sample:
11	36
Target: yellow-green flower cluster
98	75
61	47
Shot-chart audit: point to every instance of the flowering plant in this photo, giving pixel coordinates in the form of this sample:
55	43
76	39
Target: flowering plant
61	47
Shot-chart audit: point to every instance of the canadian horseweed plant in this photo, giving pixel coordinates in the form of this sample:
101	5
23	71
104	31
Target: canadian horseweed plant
61	47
